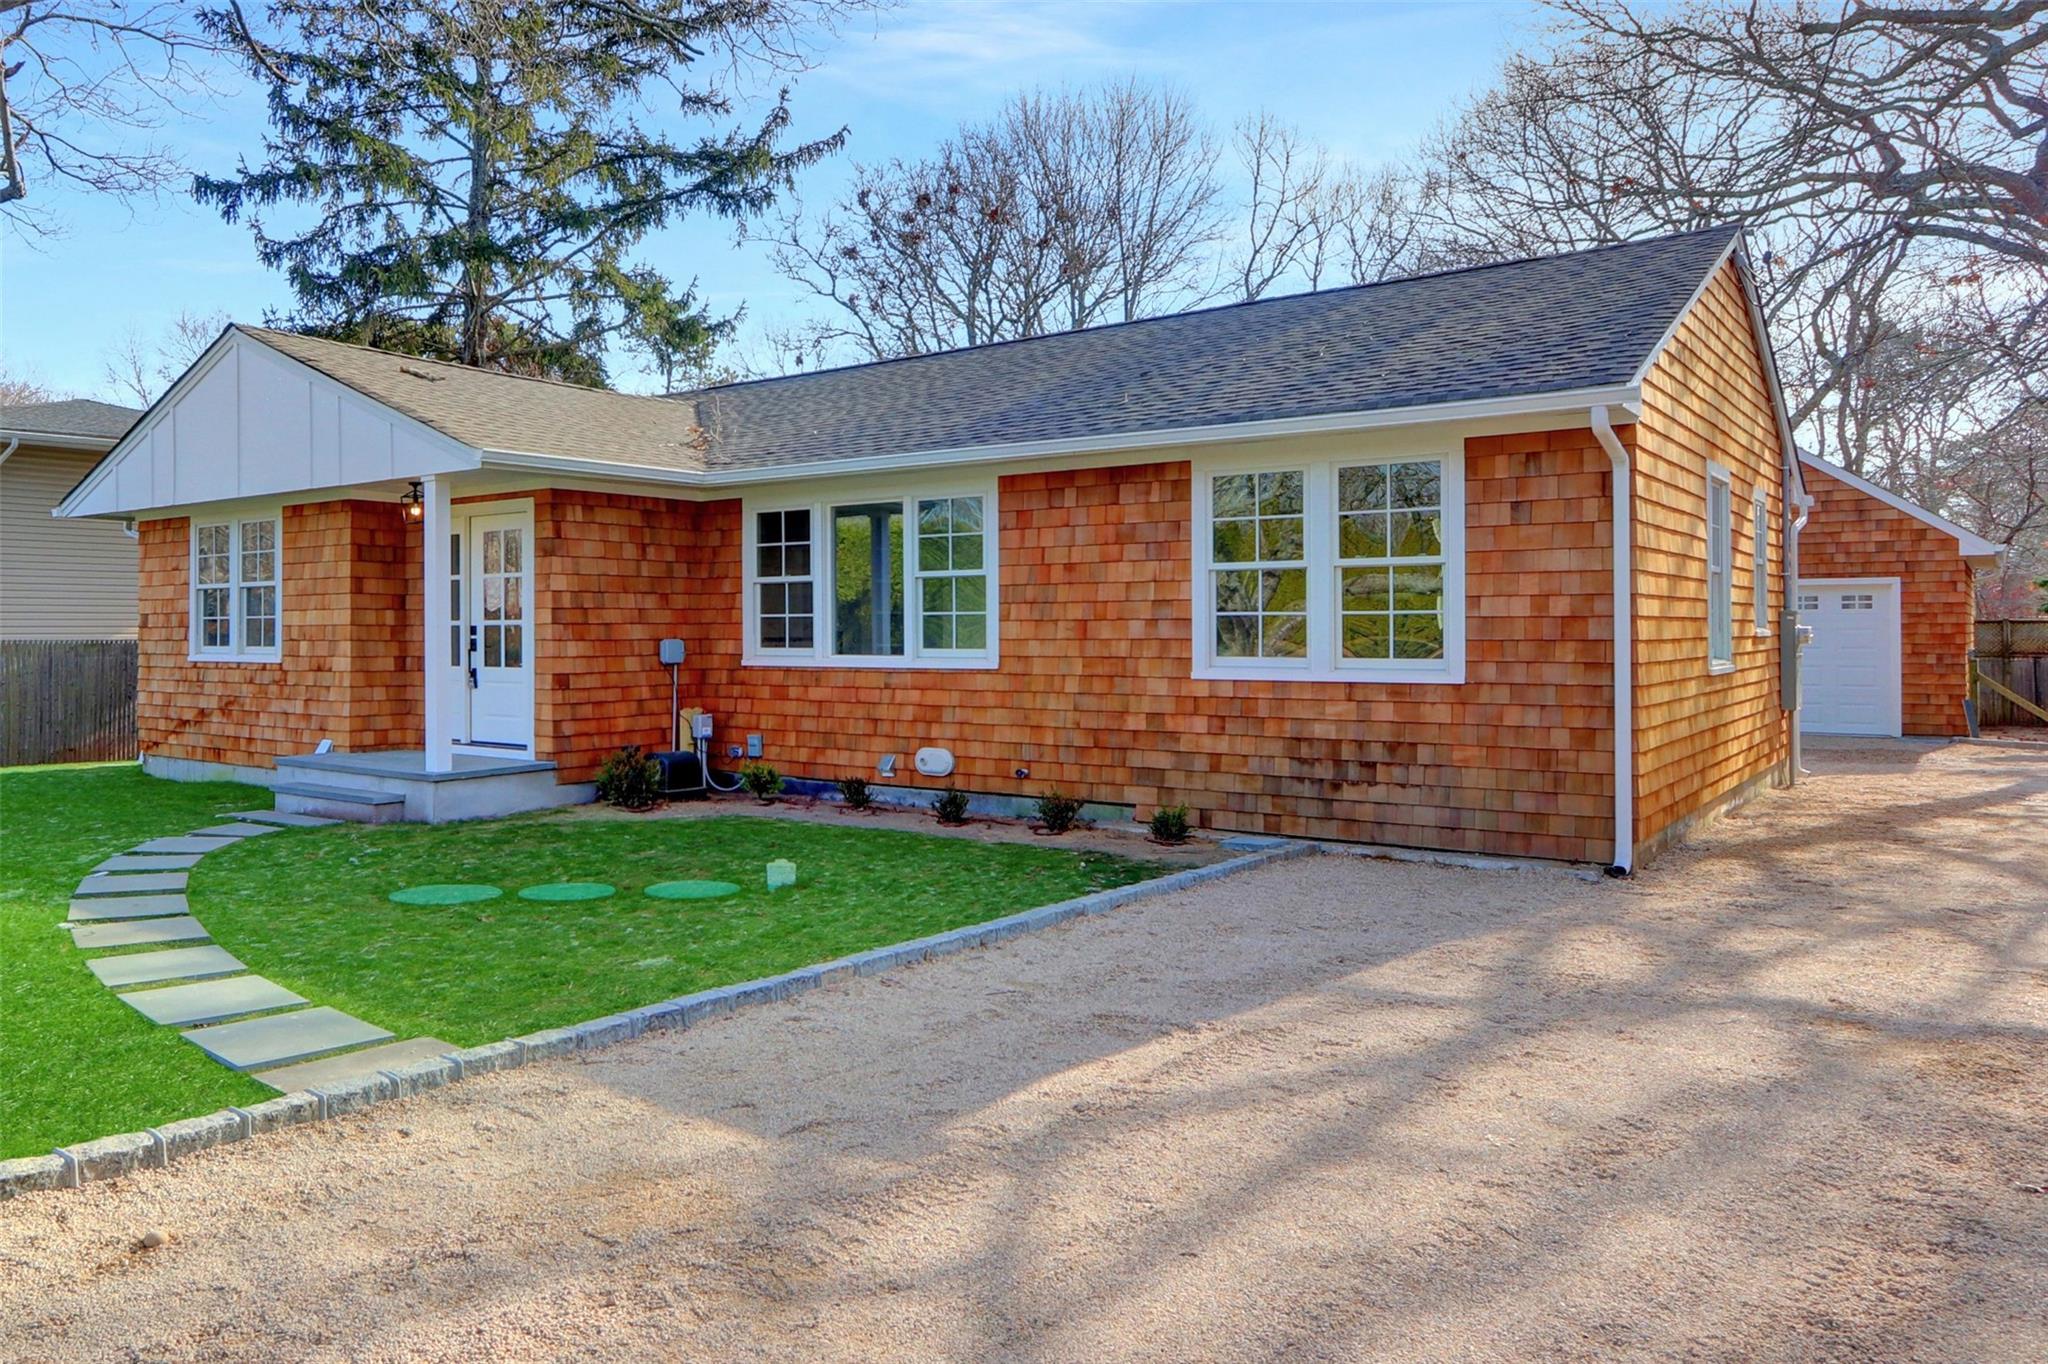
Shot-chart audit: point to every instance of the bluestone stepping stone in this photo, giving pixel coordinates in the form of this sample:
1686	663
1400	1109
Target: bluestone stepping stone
183	845
234	831
178	963
128	907
280	1039
149	862
139	884
285	819
210	1001
355	1065
182	929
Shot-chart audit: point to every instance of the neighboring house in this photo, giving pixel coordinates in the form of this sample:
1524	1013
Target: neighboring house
61	579
1344	564
1887	587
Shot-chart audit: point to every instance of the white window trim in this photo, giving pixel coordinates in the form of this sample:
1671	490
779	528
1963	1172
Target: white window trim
824	592
238	652
1717	476
1760	562
1324	661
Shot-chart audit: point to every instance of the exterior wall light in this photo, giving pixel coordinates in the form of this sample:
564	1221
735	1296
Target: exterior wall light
413	506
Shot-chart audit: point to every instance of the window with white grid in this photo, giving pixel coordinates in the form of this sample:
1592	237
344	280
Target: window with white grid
236	576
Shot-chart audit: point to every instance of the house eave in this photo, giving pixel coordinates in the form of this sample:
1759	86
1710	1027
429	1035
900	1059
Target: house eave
59	440
1975	548
1625	396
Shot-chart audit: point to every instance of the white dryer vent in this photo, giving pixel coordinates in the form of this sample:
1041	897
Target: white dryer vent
934	762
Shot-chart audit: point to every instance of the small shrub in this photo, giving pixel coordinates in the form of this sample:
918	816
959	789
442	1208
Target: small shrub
630	779
763	782
951	806
1057	812
854	791
1170	824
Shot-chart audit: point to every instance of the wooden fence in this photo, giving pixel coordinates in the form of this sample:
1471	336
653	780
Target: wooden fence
2014	654
66	700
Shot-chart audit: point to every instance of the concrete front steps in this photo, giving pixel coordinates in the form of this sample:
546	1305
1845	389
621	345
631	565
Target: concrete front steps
383	787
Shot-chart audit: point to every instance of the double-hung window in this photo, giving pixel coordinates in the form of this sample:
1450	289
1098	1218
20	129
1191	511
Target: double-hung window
1347	569
1760	561
236	569
1720	550
901	580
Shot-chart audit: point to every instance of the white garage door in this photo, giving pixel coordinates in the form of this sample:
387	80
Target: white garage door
1852	666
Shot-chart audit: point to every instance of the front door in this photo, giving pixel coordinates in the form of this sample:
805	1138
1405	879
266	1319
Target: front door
500	581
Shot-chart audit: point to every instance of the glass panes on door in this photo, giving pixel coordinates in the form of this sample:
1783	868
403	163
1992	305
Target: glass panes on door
503	584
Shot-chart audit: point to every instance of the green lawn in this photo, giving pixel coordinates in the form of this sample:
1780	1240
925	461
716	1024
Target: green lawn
309	909
75	1062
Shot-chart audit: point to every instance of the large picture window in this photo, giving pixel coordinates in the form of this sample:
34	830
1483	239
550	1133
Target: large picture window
896	580
236	568
1344	569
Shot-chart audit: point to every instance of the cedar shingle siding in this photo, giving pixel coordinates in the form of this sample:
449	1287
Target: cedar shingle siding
1701	738
1094	692
1851	534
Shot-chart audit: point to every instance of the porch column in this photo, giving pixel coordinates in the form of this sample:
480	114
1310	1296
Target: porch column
435	569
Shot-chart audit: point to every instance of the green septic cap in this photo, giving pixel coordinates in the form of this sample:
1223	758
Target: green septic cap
692	890
568	890
444	895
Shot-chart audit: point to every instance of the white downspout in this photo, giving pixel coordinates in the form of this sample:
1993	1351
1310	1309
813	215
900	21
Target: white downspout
1624	652
1798	507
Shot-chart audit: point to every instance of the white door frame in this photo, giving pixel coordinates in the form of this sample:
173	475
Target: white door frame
462	518
1897	668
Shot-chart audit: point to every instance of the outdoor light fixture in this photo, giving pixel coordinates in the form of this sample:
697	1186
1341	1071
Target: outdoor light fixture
414	503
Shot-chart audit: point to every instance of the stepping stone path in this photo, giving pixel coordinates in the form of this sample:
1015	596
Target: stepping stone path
239	1019
183	928
151	968
128	907
142	882
280	1039
148	862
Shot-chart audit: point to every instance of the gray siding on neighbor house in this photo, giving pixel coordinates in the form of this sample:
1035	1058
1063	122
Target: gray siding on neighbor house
60	579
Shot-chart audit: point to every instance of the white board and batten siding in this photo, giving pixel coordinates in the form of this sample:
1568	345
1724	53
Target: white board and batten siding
247	422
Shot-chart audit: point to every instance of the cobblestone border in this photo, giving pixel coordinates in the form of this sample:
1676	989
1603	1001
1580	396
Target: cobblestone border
156	1147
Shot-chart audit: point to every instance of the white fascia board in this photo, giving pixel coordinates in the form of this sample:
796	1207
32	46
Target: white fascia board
147	423
227	341
1626	396
1678	318
1970	545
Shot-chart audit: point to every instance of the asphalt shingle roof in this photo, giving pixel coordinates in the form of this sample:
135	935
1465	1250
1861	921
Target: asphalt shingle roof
492	411
1589	319
71	417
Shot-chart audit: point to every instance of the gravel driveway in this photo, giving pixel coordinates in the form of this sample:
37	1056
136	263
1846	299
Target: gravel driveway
1780	1098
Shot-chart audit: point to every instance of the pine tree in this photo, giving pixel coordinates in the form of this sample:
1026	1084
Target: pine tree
477	171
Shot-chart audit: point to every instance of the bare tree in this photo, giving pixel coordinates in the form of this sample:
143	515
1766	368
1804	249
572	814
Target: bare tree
139	371
84	84
1065	210
18	390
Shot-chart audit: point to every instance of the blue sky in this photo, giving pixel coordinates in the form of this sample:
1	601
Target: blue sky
1367	79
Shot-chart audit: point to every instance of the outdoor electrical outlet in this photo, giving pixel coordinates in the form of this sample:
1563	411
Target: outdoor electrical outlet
753	745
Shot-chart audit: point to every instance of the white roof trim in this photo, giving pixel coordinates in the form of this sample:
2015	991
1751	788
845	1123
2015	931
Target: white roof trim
1624	396
1678	318
228	340
1970	545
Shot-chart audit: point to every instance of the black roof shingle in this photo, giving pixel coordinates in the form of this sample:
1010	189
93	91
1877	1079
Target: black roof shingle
1585	320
